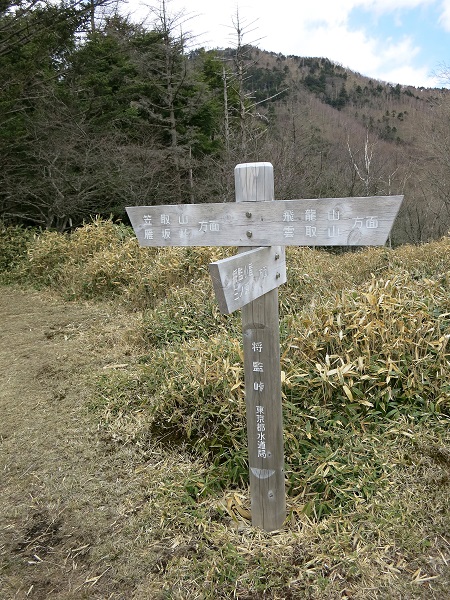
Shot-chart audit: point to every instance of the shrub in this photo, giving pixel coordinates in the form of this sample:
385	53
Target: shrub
357	362
383	350
14	241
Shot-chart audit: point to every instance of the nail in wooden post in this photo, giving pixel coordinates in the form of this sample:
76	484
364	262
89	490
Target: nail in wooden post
261	333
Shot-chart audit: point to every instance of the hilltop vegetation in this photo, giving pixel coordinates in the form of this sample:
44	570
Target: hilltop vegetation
366	402
98	112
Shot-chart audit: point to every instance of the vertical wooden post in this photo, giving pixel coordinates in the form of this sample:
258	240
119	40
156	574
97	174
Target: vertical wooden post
261	333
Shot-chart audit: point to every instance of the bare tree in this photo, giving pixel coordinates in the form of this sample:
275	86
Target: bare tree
363	167
242	61
166	65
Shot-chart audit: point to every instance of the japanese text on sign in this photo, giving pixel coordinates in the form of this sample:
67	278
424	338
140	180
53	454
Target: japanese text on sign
258	386
315	222
292	220
165	226
308	219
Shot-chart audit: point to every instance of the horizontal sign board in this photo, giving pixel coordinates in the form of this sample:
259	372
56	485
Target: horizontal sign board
365	221
245	277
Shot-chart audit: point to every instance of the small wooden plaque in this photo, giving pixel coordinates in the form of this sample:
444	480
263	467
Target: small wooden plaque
241	279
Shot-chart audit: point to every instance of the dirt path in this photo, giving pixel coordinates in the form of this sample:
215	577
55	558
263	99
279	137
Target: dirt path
64	493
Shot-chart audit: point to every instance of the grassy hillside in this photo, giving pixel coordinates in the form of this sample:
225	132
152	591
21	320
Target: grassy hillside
366	400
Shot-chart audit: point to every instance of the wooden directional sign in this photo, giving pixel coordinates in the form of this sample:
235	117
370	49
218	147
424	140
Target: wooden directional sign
241	279
250	280
365	221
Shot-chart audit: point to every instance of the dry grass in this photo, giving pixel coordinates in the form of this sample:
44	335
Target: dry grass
365	358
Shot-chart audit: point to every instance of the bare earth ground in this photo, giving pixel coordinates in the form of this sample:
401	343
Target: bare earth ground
63	491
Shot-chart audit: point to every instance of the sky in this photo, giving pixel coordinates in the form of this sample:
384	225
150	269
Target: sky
396	41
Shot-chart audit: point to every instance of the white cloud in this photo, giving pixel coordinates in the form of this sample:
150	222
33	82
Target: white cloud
324	11
338	11
322	29
387	6
315	28
379	58
409	75
444	19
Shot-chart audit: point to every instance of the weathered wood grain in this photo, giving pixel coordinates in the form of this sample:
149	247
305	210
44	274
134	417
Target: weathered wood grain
261	335
365	221
240	279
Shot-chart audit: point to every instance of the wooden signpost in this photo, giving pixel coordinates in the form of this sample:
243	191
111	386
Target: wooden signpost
261	228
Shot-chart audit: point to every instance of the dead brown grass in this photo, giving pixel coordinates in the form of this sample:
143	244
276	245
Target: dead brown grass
97	504
88	515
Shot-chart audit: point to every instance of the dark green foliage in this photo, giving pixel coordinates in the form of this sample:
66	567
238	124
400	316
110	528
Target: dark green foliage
14	243
396	91
103	80
37	43
317	85
85	125
267	84
341	100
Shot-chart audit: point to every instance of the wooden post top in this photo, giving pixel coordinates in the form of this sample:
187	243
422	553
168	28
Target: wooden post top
254	182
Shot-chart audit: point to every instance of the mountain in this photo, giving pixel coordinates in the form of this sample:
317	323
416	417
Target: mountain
357	136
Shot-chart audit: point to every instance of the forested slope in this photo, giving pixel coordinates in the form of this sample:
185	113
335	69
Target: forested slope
98	112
